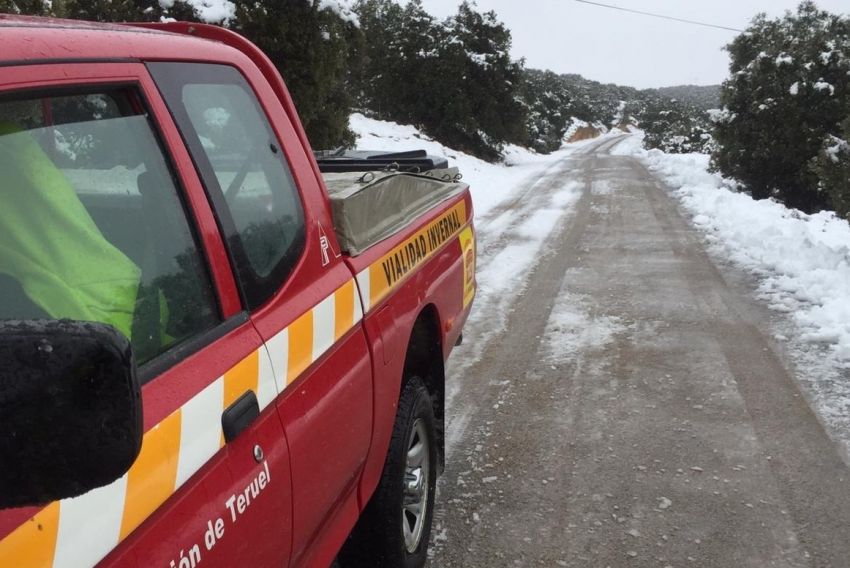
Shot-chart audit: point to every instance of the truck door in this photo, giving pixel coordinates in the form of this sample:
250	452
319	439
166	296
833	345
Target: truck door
104	218
302	298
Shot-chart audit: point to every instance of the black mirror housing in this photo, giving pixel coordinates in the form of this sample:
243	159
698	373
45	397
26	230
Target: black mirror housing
70	409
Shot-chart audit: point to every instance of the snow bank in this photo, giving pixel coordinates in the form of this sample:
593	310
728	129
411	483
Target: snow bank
803	261
490	183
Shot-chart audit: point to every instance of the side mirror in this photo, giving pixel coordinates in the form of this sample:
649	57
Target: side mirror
70	409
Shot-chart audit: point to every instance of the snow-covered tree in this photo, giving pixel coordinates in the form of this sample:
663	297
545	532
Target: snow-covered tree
399	66
832	166
674	126
481	84
131	10
787	94
454	78
308	41
549	109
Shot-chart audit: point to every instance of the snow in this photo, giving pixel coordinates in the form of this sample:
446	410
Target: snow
519	203
575	328
795	89
490	183
209	11
343	8
838	146
629	146
824	86
801	262
719	116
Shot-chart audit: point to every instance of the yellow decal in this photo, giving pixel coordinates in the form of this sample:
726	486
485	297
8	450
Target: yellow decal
394	266
300	346
242	378
152	479
34	542
344	311
467	249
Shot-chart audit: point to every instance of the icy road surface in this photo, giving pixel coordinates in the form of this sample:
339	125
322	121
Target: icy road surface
620	399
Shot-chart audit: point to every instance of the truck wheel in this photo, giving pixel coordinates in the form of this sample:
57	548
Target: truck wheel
395	527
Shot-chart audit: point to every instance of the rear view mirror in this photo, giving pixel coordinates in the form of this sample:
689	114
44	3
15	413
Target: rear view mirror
70	409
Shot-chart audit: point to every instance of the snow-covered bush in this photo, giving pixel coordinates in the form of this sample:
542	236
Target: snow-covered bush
832	166
788	93
674	127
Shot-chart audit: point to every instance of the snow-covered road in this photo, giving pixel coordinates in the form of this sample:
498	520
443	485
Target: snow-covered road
622	398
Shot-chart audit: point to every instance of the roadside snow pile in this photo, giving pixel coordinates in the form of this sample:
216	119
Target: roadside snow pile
490	183
803	261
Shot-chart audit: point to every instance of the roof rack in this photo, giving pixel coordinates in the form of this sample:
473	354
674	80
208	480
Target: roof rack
341	160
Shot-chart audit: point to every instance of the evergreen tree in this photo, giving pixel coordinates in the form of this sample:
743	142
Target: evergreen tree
832	166
480	85
309	46
110	10
786	95
399	63
25	7
549	109
454	79
673	126
125	10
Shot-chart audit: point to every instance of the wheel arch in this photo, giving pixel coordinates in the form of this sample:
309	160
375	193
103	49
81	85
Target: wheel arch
424	358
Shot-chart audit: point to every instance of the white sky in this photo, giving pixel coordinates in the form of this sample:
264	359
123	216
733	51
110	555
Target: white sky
618	47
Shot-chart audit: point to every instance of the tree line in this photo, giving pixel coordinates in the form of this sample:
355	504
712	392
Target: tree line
782	130
453	78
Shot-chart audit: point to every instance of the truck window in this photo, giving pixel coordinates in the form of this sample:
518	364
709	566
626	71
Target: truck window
92	225
243	169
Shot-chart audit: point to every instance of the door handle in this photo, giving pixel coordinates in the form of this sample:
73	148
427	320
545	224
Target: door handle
239	415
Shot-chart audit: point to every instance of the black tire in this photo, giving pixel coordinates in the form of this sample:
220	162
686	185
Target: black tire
379	540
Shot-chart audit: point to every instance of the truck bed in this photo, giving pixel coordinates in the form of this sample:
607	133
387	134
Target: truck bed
372	206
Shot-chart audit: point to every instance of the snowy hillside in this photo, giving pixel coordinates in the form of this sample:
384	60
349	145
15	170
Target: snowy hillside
490	183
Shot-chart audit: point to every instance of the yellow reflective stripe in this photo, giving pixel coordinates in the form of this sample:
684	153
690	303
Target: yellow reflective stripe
34	542
300	346
344	317
379	285
242	378
153	476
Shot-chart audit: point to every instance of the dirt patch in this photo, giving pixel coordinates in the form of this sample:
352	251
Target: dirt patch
585	133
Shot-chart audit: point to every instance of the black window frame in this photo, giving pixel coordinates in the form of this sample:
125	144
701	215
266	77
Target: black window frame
170	78
135	92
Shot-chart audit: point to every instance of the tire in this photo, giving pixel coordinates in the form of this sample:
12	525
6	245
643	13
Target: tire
395	527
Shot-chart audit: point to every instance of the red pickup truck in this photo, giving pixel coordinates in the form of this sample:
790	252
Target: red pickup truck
193	369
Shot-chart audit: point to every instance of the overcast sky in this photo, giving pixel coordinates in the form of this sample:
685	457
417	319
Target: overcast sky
618	47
